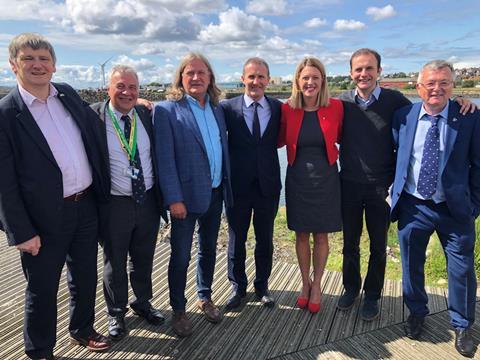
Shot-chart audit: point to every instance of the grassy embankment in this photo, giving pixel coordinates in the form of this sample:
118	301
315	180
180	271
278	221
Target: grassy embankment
434	268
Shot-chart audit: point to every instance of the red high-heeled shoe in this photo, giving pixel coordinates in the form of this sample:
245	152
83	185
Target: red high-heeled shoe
302	302
314	308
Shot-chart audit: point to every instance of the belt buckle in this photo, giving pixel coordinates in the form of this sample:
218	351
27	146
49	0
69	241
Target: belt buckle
78	195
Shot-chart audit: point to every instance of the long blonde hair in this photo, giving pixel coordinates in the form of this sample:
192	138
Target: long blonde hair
296	99
177	91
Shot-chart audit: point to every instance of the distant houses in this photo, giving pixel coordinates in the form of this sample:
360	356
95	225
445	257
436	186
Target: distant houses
398	83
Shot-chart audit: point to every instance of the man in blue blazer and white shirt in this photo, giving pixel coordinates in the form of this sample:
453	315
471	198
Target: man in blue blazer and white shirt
437	188
253	123
194	176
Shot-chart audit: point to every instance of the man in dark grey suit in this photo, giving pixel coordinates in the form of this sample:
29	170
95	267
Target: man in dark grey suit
253	123
130	220
52	175
194	176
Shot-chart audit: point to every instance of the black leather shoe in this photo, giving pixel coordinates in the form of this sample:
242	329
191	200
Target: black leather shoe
234	302
369	310
152	315
265	298
464	342
414	326
347	300
116	327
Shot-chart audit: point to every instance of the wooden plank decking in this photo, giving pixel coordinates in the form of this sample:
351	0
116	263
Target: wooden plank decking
254	333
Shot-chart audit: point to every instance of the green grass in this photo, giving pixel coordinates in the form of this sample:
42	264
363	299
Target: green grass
435	274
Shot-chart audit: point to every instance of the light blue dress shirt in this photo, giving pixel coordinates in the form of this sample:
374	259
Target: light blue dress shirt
372	98
423	125
264	112
211	136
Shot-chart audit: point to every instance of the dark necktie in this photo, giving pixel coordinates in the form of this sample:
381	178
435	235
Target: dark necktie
138	184
428	176
256	123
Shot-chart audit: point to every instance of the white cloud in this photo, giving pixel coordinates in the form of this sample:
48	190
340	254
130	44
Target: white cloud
381	13
79	76
45	10
133	17
315	22
267	7
463	61
230	77
197	6
347	25
237	26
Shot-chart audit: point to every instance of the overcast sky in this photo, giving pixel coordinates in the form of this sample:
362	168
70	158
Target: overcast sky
152	35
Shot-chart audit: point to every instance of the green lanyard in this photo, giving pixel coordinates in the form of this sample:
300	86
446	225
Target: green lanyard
130	146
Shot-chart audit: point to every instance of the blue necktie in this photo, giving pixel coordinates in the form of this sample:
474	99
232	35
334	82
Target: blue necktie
428	177
138	183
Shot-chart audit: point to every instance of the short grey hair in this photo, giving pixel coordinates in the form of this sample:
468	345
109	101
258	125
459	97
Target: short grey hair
436	65
258	61
31	40
122	69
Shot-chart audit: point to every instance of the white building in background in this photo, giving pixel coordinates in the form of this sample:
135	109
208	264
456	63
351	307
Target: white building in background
275	80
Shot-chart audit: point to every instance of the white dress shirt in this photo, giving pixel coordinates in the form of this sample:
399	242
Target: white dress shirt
64	139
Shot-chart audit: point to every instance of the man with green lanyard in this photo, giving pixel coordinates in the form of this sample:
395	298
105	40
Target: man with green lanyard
129	222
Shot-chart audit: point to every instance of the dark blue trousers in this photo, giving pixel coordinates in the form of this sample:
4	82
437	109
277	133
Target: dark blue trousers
181	237
264	209
76	245
417	221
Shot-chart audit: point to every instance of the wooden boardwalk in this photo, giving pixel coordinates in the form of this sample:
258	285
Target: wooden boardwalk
254	333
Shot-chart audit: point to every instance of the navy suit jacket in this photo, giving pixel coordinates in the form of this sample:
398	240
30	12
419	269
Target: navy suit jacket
460	170
146	119
249	161
183	167
31	187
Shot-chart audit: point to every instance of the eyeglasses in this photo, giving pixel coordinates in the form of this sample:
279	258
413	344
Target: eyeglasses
441	84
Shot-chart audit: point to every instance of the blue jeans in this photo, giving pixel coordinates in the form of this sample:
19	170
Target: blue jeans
181	244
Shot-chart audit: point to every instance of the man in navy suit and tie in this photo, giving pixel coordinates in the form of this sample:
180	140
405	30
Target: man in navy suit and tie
194	176
437	188
253	122
52	175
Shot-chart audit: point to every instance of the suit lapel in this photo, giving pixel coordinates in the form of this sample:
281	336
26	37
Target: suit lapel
73	112
30	125
273	115
451	132
184	108
410	128
237	108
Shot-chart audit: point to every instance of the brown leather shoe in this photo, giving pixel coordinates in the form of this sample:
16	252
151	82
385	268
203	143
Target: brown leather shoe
181	324
212	313
95	342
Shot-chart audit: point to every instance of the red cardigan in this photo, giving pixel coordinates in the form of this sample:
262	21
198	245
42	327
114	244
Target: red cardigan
330	118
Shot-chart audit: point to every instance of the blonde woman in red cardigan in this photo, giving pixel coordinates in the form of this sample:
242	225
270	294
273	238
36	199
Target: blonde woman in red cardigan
310	127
